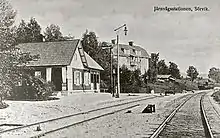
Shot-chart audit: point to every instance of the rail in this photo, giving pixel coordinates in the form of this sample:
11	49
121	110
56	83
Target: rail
171	115
206	125
79	113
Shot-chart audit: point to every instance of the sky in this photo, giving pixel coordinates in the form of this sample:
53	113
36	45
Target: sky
184	37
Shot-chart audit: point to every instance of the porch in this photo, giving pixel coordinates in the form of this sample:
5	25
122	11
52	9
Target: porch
70	79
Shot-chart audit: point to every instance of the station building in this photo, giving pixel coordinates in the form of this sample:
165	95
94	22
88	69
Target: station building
65	64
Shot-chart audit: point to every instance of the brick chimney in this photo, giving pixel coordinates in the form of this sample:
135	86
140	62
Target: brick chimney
131	43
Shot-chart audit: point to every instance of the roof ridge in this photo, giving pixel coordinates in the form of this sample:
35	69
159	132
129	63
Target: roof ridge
51	53
132	46
50	41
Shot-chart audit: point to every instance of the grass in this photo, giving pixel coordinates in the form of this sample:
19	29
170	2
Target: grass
216	96
178	86
187	85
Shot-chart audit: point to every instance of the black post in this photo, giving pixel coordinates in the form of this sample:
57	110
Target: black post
114	83
111	78
118	70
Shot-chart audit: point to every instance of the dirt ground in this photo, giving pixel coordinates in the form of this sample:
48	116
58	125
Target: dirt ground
25	112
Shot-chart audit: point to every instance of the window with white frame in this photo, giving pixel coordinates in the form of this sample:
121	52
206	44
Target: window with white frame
128	60
127	51
89	78
139	53
134	51
123	50
77	77
19	83
37	74
86	78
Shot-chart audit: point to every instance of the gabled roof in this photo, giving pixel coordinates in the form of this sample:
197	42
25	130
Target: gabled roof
128	47
92	63
51	53
165	77
56	53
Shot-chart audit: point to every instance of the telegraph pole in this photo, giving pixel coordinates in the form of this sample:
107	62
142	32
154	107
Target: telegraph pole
111	77
118	68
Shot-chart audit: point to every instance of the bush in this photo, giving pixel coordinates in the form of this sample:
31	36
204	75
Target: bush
187	85
32	89
134	89
158	87
216	96
178	86
216	85
3	105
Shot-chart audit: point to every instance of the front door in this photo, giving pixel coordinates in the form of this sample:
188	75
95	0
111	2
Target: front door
56	78
95	82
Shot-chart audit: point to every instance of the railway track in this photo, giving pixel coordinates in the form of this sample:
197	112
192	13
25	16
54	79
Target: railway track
212	116
186	122
214	108
50	126
204	118
133	97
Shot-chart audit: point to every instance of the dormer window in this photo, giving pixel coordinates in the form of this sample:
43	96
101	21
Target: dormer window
123	50
134	50
126	51
139	53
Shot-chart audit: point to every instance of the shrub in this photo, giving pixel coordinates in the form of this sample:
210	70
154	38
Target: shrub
216	96
32	89
134	89
3	105
187	85
178	86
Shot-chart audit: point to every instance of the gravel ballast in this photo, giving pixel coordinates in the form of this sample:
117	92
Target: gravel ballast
187	122
212	110
123	125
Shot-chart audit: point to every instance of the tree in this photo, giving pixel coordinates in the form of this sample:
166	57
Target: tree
136	78
130	81
13	69
174	71
153	69
163	68
214	73
90	44
7	15
34	31
53	33
101	56
21	33
29	32
145	77
192	73
125	78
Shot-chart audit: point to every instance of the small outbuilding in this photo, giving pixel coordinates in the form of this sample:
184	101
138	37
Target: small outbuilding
163	78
